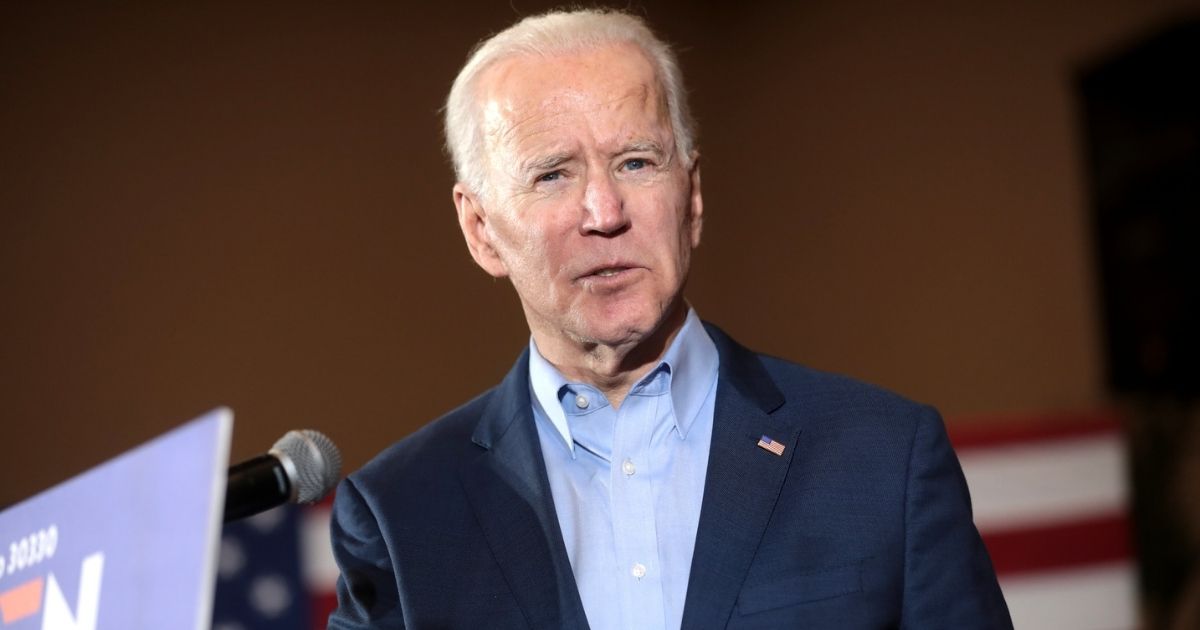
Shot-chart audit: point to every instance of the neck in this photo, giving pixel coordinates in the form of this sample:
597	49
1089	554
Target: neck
612	369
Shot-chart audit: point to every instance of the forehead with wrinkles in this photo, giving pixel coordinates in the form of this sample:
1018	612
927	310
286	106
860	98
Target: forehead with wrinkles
526	98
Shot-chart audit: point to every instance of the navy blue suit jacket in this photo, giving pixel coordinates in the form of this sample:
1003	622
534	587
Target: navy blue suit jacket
863	522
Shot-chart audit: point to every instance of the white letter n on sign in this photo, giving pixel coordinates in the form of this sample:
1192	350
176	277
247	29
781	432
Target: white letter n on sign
56	615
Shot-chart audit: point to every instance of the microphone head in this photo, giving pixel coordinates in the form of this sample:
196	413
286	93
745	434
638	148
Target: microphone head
315	463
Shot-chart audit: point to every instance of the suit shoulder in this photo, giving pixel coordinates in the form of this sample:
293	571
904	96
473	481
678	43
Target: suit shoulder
848	399
817	391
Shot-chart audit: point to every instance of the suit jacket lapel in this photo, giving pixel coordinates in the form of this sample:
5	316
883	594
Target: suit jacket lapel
509	492
742	484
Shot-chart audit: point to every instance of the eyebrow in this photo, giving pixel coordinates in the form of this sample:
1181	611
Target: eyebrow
649	146
544	162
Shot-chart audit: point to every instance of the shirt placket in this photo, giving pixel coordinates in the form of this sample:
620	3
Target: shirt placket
632	503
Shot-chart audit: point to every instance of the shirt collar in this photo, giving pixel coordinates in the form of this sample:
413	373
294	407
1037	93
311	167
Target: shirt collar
691	361
546	382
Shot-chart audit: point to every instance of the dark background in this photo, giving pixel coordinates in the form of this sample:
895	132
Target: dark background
218	204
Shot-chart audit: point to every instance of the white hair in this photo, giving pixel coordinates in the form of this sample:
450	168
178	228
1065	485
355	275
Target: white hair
555	33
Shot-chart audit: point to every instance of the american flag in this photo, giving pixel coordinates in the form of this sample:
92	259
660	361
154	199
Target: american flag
771	445
1051	499
276	571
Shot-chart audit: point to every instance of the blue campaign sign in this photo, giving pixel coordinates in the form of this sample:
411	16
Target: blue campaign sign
128	545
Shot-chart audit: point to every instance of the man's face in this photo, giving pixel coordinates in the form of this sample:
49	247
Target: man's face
589	210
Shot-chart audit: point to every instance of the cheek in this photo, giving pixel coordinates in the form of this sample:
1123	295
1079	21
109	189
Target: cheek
678	228
524	248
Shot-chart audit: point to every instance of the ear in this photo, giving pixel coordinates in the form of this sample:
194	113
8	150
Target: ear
473	220
696	209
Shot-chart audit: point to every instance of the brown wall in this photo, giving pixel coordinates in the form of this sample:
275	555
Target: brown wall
213	204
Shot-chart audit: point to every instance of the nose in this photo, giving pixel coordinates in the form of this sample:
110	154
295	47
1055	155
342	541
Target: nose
603	207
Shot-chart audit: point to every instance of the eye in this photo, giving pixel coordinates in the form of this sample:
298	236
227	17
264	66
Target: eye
549	177
635	164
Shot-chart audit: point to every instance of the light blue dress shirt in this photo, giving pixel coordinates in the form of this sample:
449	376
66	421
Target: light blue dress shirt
628	483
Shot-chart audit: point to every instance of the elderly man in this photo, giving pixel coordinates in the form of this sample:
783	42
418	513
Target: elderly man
637	468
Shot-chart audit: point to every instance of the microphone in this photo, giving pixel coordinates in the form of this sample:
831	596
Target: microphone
301	467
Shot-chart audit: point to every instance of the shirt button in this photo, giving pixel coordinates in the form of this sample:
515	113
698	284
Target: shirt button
581	401
638	571
628	468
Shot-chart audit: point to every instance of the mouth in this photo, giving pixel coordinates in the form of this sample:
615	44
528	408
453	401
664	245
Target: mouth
608	272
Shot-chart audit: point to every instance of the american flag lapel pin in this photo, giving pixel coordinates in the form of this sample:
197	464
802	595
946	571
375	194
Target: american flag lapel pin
767	444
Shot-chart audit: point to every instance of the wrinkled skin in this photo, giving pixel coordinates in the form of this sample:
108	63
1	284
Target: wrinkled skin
588	211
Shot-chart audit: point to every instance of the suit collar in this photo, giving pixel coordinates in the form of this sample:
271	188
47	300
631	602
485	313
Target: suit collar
743	370
509	403
742	484
510	495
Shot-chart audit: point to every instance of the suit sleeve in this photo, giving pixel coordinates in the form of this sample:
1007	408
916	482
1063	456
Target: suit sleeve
366	589
949	581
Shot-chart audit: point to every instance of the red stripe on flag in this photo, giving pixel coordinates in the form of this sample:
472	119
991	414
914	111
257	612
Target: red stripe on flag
1060	546
323	605
326	501
985	432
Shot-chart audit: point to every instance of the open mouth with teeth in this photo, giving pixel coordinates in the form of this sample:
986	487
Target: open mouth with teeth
607	275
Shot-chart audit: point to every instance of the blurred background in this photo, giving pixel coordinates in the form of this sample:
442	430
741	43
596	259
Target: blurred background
987	206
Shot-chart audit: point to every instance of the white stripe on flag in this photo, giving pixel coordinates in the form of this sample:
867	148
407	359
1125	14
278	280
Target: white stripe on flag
320	569
1044	483
1099	597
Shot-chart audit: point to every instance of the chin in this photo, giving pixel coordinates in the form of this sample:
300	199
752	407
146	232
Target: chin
615	337
615	329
